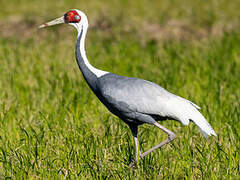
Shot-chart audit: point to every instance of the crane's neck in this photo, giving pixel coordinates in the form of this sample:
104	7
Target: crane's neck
90	73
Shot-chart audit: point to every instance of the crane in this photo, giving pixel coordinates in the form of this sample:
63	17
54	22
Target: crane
135	101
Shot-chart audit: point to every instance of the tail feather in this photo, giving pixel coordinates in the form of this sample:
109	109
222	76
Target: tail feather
196	106
202	123
186	110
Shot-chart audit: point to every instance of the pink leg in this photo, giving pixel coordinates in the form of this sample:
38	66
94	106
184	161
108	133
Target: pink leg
171	136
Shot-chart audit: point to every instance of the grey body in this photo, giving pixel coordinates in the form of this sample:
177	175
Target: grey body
131	99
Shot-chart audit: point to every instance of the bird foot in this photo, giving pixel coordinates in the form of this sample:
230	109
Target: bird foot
131	165
133	162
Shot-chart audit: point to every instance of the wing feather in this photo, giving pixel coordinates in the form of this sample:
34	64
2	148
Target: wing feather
136	95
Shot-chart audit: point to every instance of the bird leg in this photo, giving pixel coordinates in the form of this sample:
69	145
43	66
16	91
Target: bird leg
134	130
138	152
171	136
139	156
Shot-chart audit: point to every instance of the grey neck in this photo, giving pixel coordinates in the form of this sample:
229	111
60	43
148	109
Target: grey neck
83	64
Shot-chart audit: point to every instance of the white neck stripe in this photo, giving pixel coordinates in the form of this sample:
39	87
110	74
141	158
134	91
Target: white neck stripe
94	70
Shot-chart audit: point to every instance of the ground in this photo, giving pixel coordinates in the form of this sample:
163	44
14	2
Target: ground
52	125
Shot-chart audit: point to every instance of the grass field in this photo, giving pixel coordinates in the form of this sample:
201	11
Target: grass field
53	126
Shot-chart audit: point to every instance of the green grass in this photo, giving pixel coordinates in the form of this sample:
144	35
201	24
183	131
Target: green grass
53	126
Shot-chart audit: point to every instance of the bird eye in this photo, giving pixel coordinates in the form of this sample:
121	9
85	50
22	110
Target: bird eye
77	17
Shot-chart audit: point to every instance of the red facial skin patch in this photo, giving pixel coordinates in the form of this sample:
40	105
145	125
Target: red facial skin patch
72	17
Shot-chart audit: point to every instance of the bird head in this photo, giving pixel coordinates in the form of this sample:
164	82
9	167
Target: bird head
73	17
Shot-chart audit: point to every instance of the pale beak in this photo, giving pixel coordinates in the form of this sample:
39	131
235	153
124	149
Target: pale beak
53	22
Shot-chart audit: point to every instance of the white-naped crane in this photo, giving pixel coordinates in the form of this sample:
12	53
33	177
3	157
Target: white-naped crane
135	101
